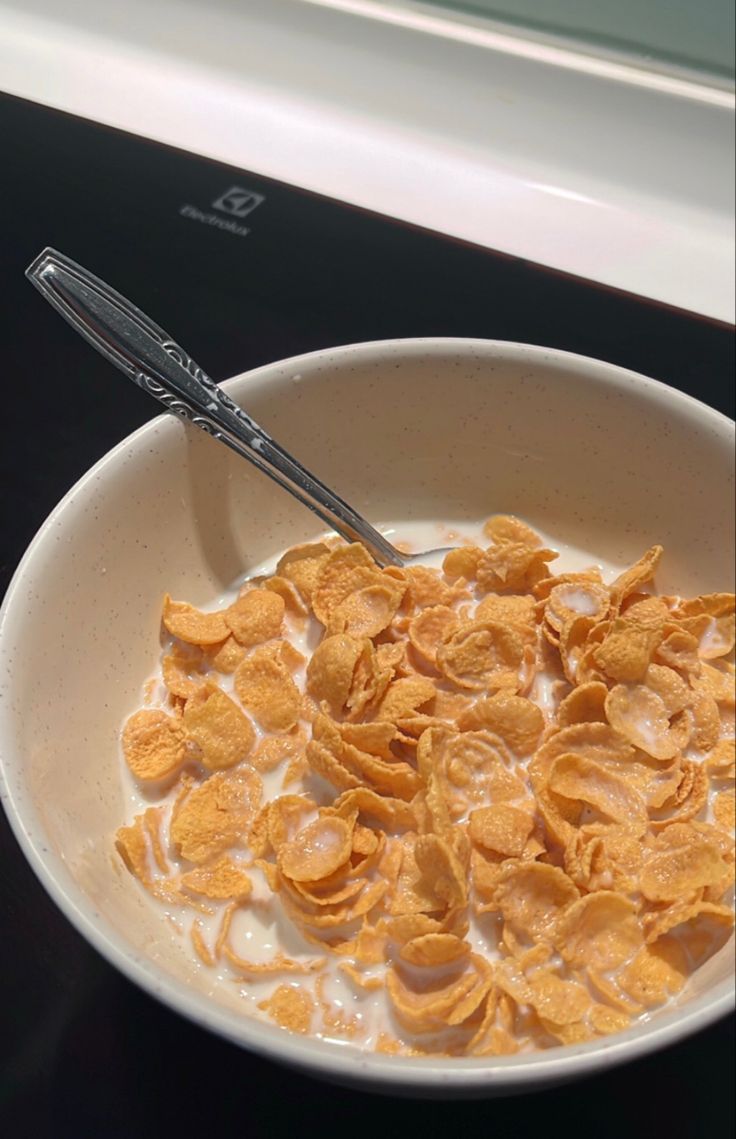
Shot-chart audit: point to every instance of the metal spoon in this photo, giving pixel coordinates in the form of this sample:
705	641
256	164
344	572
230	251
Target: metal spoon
152	360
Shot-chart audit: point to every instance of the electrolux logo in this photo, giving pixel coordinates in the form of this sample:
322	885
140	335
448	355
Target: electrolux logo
236	202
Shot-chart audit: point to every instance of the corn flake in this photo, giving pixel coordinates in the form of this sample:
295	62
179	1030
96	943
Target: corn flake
724	810
220	880
316	851
573	777
482	655
368	611
345	570
720	762
331	669
430	628
679	650
291	1008
154	745
706	722
501	829
507	528
639	574
404	697
182	669
285	816
513	565
518	721
656	973
216	815
302	566
132	847
530	897
394	814
192	625
640	715
435	949
371	678
442	869
558	1003
687	799
288	593
217	726
256	616
225	657
569	600
627	651
425	588
584	705
265	687
462	562
600	931
375	737
682	861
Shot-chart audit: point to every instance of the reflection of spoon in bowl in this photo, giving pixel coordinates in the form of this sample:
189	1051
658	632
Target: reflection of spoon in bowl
149	357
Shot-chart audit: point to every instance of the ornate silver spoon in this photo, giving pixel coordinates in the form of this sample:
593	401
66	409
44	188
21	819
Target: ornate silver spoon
150	358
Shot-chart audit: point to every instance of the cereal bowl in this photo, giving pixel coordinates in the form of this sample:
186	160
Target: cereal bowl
410	432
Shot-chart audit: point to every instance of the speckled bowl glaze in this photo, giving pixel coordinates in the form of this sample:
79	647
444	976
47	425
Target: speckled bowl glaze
453	429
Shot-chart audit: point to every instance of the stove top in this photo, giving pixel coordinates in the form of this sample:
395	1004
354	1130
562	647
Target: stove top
243	270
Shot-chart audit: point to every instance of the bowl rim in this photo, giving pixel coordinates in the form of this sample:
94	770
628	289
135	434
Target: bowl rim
329	1060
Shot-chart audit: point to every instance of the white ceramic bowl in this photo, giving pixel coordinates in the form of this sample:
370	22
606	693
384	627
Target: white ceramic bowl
454	429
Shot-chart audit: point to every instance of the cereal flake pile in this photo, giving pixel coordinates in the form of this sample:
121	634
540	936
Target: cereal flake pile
504	799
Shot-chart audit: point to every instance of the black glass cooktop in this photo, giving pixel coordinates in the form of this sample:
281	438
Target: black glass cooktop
243	270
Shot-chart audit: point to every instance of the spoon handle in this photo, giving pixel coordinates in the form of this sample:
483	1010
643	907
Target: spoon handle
150	358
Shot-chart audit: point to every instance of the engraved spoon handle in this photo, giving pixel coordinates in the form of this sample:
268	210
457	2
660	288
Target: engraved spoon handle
147	355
